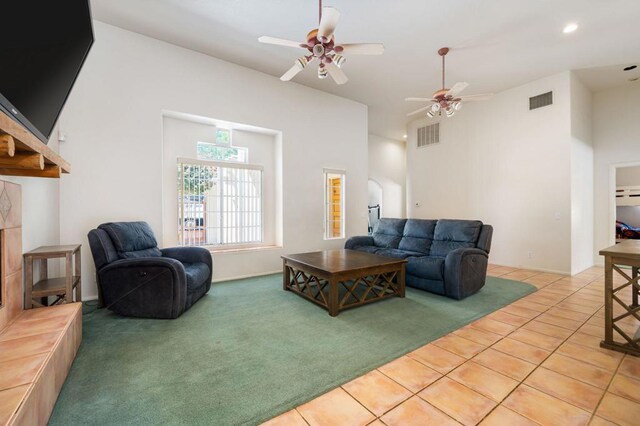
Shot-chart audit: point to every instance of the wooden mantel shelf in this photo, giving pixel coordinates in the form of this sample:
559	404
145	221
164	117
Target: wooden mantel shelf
22	154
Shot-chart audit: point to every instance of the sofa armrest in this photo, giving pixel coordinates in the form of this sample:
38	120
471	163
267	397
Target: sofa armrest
189	255
465	272
359	241
147	287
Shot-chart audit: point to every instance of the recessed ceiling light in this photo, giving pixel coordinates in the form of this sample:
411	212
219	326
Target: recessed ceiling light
405	136
570	28
629	68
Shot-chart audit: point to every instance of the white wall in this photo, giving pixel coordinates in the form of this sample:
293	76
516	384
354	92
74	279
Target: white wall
507	166
616	130
387	166
628	176
581	177
113	123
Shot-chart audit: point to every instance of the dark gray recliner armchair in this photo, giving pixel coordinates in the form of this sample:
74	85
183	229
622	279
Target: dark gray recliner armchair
136	278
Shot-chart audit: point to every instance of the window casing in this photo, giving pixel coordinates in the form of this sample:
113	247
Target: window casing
219	203
334	201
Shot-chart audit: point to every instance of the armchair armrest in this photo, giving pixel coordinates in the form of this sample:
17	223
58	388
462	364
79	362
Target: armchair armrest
188	254
465	272
151	287
359	241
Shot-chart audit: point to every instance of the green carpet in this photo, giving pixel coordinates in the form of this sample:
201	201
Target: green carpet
248	351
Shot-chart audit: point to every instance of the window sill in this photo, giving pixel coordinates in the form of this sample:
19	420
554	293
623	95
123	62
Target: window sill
219	250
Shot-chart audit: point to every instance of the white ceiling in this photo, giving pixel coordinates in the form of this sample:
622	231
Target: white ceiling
496	44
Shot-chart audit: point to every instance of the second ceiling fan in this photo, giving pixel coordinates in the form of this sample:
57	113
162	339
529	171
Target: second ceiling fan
446	100
322	46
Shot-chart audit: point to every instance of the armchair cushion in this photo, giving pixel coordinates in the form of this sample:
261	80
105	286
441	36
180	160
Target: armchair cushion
132	239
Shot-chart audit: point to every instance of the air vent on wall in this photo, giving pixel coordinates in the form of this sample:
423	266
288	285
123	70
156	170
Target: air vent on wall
541	100
428	135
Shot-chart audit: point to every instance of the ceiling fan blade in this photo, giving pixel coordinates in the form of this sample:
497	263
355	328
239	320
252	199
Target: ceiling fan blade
336	73
419	110
279	41
362	48
481	97
418	99
457	88
328	23
293	71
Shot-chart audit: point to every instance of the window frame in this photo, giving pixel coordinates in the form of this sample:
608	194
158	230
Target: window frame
221	164
326	172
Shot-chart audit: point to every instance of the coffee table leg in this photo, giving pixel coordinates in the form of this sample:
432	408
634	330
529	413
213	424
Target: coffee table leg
286	276
333	297
401	281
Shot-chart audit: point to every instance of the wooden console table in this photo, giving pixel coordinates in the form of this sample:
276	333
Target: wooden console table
623	254
63	287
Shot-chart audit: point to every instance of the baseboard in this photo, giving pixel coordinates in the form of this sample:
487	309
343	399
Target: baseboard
549	271
242	277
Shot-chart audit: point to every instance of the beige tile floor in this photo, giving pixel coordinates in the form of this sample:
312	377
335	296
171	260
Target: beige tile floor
536	361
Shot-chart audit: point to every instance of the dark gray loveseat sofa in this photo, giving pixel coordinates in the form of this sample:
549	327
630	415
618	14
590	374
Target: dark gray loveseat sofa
447	257
136	278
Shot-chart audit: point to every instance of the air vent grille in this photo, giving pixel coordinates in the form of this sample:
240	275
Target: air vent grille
541	100
428	135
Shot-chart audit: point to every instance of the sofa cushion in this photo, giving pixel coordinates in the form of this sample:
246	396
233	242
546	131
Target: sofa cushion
399	254
454	234
132	239
197	274
388	232
368	249
418	235
427	267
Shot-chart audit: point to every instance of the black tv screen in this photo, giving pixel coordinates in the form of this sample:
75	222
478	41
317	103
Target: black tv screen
42	48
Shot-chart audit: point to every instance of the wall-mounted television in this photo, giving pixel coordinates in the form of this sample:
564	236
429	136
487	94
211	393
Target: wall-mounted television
42	49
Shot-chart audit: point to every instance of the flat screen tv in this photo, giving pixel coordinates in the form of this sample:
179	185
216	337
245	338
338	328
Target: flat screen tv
42	49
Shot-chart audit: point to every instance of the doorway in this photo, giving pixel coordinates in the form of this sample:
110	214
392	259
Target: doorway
375	204
627	203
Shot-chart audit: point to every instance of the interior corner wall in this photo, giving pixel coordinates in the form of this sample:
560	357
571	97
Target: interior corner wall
501	163
581	177
616	137
388	167
113	124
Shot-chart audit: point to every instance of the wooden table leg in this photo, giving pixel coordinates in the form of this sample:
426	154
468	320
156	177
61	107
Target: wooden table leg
333	297
608	300
77	267
28	282
401	281
286	276
634	298
44	274
68	295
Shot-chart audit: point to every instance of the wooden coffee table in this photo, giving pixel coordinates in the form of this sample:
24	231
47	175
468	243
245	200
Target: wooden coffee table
341	279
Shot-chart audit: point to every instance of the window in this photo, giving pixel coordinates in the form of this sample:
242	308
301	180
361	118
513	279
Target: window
334	203
219	203
222	149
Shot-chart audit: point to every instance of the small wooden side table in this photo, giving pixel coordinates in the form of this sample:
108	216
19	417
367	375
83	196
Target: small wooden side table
61	287
624	254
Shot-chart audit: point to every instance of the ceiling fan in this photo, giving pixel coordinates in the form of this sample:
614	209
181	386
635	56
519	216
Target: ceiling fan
446	100
322	46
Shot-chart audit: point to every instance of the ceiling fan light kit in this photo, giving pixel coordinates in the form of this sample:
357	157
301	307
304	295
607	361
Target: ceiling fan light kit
446	100
322	47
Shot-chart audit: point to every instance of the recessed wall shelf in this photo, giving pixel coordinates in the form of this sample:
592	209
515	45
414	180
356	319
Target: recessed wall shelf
22	154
